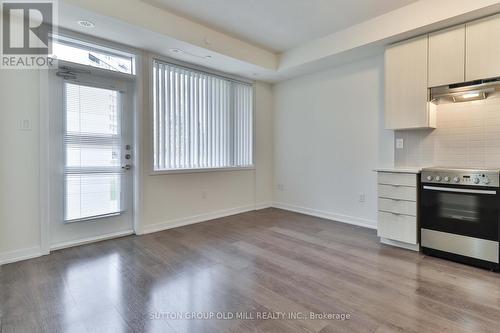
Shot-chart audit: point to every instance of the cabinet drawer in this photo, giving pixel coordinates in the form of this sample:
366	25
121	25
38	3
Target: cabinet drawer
397	206
405	179
401	228
397	192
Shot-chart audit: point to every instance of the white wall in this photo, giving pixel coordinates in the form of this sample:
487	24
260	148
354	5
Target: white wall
328	134
167	200
19	172
466	136
264	154
177	199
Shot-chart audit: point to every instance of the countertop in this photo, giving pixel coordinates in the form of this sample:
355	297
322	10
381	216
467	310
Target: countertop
415	170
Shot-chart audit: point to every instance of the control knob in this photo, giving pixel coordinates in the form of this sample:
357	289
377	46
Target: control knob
476	180
446	179
438	178
486	180
456	179
429	178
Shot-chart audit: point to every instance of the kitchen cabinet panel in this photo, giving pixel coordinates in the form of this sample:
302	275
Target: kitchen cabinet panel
397	227
397	209
397	192
483	48
402	179
397	206
406	93
447	56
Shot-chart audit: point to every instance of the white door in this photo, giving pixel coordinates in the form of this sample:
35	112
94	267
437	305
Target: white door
91	156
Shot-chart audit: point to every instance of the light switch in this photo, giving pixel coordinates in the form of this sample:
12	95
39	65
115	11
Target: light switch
399	143
25	125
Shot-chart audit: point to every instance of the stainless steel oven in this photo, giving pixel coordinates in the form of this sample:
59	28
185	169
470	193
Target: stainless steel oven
460	215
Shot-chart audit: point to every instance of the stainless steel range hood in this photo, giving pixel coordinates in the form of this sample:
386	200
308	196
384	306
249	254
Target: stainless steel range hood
464	92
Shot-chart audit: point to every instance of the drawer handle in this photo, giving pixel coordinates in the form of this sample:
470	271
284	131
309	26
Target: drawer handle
395	185
388	212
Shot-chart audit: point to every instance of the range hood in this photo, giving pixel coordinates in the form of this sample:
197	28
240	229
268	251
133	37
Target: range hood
464	92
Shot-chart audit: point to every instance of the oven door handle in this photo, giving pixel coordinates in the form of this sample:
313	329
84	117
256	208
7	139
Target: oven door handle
459	190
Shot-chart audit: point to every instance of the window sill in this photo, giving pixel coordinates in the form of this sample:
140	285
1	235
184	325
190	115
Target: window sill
185	171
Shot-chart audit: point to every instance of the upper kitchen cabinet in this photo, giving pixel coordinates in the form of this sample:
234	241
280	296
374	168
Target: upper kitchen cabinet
483	48
406	93
447	56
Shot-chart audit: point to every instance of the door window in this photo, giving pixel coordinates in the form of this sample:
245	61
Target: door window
92	148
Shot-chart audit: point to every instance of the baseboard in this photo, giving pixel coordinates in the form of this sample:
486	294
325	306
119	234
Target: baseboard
64	245
24	254
413	247
200	218
371	224
18	255
263	205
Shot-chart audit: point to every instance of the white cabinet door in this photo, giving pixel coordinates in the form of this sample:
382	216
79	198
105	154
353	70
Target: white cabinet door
483	48
397	206
447	56
397	192
402	228
393	178
406	94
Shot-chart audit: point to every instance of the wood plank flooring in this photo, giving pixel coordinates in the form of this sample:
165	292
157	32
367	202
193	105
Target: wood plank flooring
269	262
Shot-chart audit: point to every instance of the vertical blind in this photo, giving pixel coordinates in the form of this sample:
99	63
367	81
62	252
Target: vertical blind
92	146
200	120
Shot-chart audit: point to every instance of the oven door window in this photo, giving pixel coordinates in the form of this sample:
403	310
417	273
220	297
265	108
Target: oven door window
468	214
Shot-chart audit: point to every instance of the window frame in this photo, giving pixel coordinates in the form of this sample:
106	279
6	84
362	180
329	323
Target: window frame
75	39
226	76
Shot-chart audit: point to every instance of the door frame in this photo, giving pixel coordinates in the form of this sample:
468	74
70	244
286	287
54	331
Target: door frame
46	138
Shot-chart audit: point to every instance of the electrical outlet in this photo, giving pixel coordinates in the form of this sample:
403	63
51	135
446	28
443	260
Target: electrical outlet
399	143
362	197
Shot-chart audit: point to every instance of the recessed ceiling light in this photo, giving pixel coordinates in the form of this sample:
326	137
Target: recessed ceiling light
208	57
86	24
176	50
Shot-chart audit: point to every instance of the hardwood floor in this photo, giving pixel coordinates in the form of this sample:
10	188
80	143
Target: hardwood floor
258	263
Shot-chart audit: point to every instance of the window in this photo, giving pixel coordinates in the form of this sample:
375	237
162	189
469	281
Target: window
201	120
80	52
92	146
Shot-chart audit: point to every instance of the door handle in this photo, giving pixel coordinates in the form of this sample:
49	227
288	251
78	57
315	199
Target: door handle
458	190
127	167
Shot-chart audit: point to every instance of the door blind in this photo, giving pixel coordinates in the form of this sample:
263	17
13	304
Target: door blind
200	120
92	146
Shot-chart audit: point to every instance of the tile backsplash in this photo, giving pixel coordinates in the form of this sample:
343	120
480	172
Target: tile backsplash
467	135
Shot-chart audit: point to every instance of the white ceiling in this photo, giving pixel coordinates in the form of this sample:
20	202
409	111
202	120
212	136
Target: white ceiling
144	27
279	25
